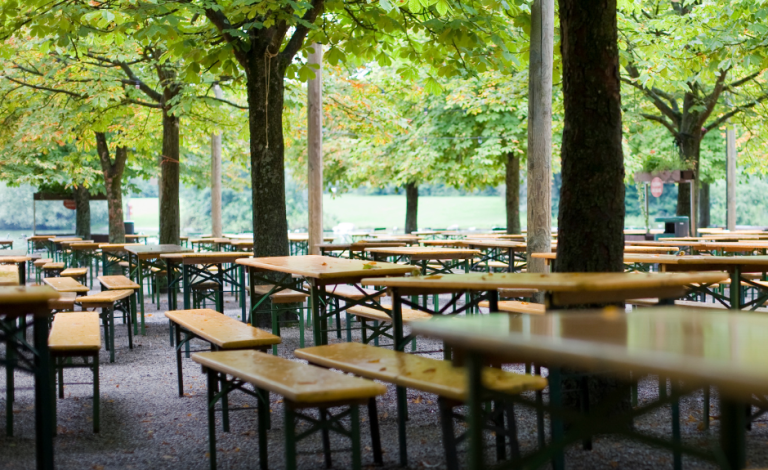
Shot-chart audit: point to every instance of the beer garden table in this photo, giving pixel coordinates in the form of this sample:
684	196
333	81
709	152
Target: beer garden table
136	238
298	243
701	348
446	258
37	240
319	272
6	245
15	304
498	250
55	242
328	249
210	243
143	258
112	254
19	258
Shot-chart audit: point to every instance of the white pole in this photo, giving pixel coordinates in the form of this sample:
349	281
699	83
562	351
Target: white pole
216	229
730	178
315	151
539	212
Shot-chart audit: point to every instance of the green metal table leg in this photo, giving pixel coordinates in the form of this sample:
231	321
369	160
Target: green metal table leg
733	432
474	365
45	413
290	437
317	335
735	288
212	417
355	432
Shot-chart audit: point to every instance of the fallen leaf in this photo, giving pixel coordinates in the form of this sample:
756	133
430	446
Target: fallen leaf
382	369
373	361
429	370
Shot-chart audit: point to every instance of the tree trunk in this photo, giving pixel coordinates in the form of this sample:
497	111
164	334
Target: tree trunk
82	211
539	213
513	193
169	181
411	207
704	220
216	229
113	183
315	151
689	143
265	120
591	216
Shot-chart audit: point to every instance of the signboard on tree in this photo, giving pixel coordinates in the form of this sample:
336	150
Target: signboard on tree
657	187
70	204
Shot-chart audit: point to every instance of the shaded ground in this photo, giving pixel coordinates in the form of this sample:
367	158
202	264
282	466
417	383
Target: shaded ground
145	425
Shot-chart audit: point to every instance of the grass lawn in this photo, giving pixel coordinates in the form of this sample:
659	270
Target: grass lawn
372	211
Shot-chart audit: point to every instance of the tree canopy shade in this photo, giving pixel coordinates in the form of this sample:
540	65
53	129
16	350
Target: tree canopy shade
684	57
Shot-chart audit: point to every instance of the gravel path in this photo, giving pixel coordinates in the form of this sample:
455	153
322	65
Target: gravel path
145	425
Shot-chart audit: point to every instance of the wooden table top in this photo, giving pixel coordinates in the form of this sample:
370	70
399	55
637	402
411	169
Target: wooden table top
664	242
225	241
21	300
499	236
13	259
242	243
742	245
334	246
65	284
304	237
243	236
117	246
147	251
726	349
552	282
650	249
326	267
396	237
63	239
490	243
441	242
37	238
207	257
425	252
17	252
83	246
695	262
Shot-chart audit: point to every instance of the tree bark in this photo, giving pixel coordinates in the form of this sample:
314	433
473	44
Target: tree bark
170	221
113	184
513	193
704	220
591	216
689	143
216	229
82	211
539	213
411	207
730	179
315	151
265	120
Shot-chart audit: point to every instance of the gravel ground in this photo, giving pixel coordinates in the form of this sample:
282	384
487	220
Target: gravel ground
145	425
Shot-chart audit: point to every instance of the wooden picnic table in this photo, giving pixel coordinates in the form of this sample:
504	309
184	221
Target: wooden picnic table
134	237
443	259
112	254
650	249
6	245
319	272
199	268
9	276
498	250
20	259
499	236
298	243
143	258
354	247
210	243
701	348
15	304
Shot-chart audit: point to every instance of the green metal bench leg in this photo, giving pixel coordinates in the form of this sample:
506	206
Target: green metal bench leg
449	436
59	363
290	437
676	441
273	310
326	438
263	410
96	397
355	431
224	402
212	380
179	370
301	327
402	416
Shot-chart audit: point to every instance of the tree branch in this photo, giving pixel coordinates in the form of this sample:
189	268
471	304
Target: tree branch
233	104
222	24
301	30
672	114
45	88
719	121
662	121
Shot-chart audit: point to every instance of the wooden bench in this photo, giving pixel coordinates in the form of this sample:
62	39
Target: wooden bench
302	386
65	302
38	264
430	376
9	276
120	282
218	330
80	274
287	298
514	306
382	323
108	302
52	269
76	334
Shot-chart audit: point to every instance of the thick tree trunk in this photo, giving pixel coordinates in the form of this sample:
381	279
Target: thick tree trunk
689	142
411	207
113	183
591	217
513	193
265	119
704	219
170	218
82	211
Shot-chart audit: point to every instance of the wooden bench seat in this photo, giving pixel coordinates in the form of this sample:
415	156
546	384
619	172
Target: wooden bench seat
301	386
65	302
9	275
369	313
688	304
74	272
218	330
109	301
76	334
420	373
39	263
285	296
117	282
515	306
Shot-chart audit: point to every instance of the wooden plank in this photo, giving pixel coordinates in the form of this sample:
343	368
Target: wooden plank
9	276
75	331
726	349
65	284
116	247
325	267
221	330
214	257
117	282
296	381
74	272
285	296
559	282
409	314
66	301
107	296
426	253
512	306
22	300
414	371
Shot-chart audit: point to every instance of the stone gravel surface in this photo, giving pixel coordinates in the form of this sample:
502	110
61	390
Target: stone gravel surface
146	425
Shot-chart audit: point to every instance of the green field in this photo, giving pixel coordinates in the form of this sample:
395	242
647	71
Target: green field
373	211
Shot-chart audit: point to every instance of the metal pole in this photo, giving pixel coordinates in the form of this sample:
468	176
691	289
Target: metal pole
539	211
34	217
315	151
216	229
